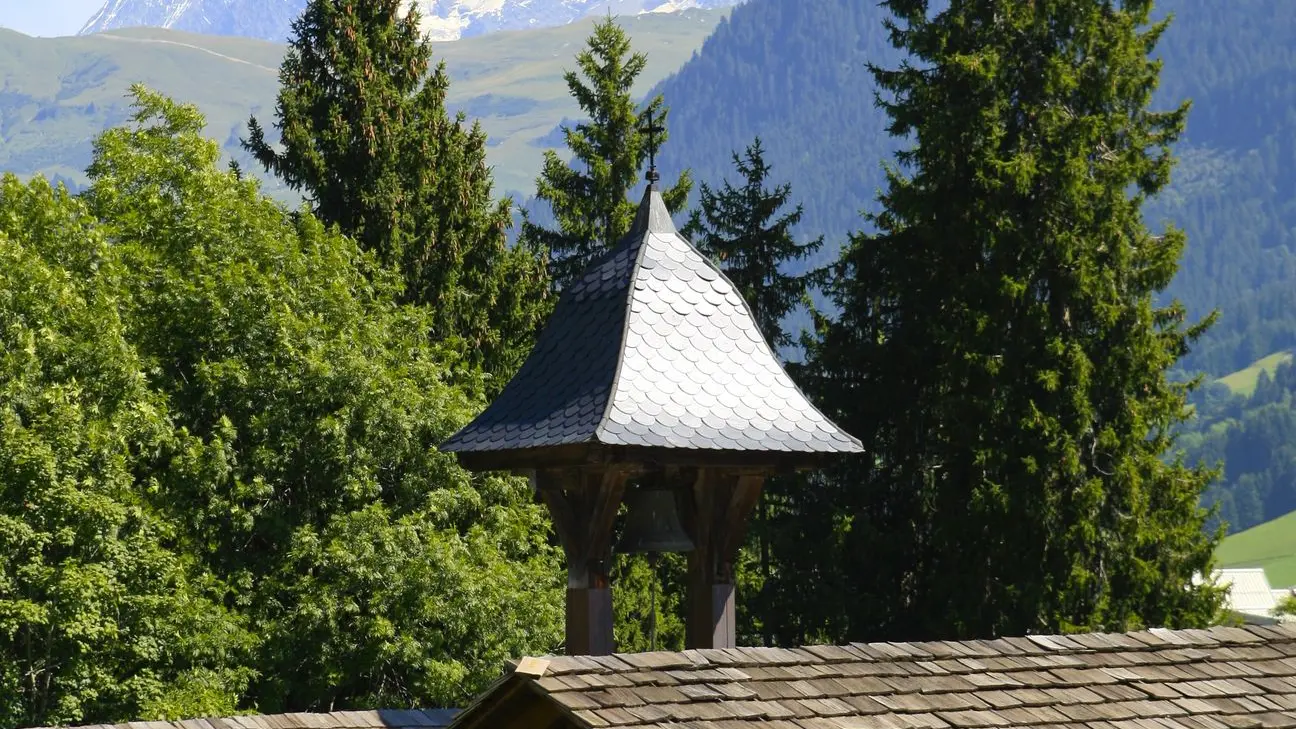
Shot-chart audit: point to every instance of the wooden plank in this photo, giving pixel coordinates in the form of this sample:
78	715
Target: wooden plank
700	626
583	505
635	457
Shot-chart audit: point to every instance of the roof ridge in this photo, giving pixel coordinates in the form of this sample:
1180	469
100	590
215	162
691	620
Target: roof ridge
643	217
908	651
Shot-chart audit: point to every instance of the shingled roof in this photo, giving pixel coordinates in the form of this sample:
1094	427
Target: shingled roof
1191	679
380	719
652	348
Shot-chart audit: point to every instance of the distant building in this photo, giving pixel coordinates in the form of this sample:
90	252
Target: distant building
1250	595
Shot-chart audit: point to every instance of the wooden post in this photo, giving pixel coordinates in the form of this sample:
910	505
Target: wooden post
583	505
717	523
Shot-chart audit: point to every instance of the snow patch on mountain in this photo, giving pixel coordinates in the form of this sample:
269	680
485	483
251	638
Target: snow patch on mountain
266	19
443	20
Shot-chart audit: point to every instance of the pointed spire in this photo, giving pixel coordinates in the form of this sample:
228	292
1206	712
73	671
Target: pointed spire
651	129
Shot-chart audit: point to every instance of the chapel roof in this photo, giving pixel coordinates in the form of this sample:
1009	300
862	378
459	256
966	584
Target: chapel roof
652	348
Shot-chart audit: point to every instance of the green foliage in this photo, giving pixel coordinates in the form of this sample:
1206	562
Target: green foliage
320	403
100	618
588	196
367	139
999	350
226	409
633	580
742	230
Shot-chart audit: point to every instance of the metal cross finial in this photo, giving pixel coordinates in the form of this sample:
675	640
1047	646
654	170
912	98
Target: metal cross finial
652	129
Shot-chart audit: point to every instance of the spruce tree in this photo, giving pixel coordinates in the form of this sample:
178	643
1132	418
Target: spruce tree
741	228
1001	349
588	196
366	137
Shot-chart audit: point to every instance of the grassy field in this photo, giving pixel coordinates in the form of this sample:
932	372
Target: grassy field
1243	382
1271	545
57	94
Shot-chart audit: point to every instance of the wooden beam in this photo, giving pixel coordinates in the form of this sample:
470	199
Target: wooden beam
637	457
552	489
526	712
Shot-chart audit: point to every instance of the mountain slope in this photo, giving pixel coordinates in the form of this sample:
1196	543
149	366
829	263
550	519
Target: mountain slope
56	94
795	73
1247	421
444	20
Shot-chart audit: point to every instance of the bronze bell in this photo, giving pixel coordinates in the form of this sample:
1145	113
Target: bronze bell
652	523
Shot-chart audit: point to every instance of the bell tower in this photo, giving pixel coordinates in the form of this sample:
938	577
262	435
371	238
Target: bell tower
651	385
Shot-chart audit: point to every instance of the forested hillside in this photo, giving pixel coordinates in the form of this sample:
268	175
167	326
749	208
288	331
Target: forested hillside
1254	435
1235	189
795	73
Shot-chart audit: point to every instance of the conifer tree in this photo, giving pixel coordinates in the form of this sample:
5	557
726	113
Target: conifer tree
588	196
742	230
1000	349
365	135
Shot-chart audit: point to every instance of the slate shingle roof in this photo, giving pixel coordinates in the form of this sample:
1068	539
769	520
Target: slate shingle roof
652	347
380	719
1193	679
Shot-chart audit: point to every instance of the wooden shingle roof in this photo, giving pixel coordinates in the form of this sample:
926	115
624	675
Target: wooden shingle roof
1219	678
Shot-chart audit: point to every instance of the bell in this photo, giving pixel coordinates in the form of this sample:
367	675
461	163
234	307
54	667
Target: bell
652	524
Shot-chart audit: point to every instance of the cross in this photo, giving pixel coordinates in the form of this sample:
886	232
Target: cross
652	129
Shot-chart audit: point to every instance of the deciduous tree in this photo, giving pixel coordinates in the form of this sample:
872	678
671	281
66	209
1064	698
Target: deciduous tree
376	571
101	618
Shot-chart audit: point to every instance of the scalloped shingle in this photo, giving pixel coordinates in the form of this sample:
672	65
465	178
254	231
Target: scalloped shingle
653	347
